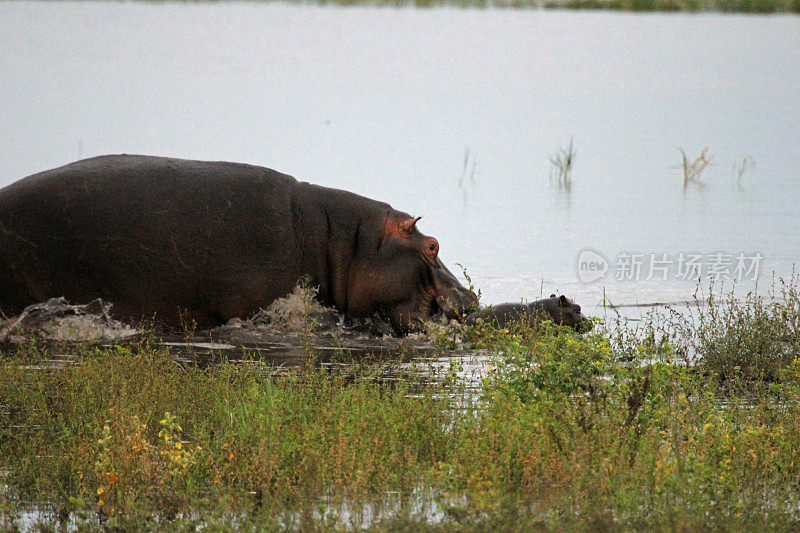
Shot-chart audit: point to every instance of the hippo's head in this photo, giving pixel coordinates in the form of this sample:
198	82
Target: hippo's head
565	312
403	279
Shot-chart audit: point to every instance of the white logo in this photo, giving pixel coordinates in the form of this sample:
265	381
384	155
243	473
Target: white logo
591	266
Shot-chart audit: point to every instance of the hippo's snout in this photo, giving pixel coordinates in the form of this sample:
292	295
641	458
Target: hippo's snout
457	302
584	324
453	299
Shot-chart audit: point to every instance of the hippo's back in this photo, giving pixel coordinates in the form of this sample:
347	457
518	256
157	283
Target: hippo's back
500	315
147	233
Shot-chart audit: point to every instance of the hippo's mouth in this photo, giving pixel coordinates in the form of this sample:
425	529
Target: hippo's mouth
411	318
434	309
429	309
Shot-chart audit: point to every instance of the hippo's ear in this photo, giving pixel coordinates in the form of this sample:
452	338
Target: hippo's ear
407	225
399	227
552	296
563	300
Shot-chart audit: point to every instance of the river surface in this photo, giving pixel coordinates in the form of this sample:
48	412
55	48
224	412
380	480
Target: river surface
454	115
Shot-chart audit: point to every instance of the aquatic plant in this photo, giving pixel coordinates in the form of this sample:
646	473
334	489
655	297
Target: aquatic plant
471	286
561	169
467	173
740	169
693	169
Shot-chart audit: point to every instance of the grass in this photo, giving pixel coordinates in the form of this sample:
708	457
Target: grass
626	429
130	435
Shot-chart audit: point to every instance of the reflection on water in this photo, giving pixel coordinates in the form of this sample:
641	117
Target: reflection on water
276	354
339	351
383	102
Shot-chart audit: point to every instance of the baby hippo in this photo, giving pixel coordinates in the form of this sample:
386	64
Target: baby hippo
560	309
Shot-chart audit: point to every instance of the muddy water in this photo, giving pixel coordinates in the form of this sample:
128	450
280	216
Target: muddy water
292	332
391	360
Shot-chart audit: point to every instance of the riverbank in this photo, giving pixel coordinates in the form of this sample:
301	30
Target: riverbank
693	6
624	429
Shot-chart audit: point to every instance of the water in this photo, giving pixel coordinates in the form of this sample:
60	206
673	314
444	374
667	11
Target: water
390	103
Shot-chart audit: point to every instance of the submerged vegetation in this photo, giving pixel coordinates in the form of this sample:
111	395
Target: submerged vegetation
674	424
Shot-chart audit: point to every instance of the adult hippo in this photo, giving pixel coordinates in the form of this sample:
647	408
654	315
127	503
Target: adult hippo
560	309
198	241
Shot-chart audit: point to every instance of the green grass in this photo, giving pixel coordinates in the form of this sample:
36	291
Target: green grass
567	431
102	436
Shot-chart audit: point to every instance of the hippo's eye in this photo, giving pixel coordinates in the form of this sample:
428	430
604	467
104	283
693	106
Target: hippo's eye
430	248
